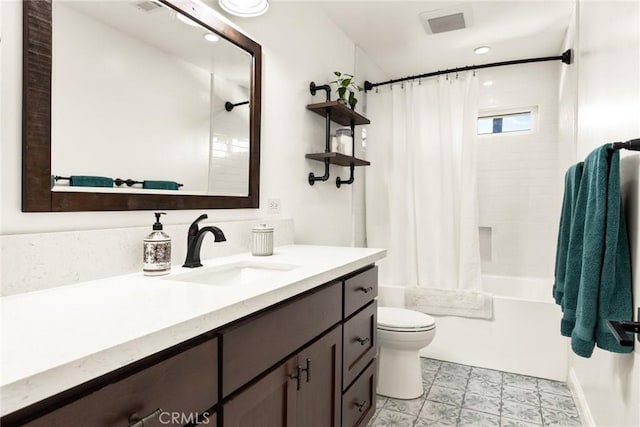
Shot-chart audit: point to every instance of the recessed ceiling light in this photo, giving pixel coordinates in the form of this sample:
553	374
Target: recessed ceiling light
488	83
482	50
185	20
245	8
210	37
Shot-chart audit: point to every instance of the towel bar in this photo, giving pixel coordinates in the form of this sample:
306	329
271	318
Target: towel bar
620	328
632	145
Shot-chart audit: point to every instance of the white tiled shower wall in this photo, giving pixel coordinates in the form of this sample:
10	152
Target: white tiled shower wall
519	185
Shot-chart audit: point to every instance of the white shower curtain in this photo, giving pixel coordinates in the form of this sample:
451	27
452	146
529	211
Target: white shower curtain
421	190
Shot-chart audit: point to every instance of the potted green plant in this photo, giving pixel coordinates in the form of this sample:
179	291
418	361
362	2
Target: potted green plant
345	84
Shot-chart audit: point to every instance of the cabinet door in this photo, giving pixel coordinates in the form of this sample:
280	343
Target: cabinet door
318	402
269	402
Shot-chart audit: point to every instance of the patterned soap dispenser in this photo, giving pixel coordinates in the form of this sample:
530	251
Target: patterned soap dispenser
157	251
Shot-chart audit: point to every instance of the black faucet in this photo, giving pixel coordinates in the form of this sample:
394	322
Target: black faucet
194	241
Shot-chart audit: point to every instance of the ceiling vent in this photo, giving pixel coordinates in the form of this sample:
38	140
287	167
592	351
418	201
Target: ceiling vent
448	19
148	6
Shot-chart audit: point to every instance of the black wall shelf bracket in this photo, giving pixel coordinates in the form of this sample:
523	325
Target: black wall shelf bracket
339	181
313	88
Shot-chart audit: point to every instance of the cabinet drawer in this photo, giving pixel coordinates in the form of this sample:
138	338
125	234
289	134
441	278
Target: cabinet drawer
181	386
359	343
359	290
254	345
359	401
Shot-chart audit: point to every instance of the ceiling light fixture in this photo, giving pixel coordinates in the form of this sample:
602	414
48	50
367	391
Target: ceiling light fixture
482	50
210	37
245	8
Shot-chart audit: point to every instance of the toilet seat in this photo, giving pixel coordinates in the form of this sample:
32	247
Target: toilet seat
403	320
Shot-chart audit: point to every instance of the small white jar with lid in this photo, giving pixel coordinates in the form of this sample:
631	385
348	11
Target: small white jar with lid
262	240
345	142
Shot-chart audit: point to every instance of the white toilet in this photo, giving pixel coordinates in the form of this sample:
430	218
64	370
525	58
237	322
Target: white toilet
401	334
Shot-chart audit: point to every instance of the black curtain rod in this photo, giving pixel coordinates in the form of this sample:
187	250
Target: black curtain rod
566	58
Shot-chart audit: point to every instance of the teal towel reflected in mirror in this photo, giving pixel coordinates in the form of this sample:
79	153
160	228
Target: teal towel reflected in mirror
90	181
161	185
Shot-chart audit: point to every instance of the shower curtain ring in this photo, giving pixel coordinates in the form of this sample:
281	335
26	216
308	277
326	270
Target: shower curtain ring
376	90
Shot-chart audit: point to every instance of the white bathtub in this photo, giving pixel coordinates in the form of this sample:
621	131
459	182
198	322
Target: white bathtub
523	337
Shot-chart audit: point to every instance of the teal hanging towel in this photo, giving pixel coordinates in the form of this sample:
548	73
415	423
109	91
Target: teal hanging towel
90	181
571	185
161	185
599	238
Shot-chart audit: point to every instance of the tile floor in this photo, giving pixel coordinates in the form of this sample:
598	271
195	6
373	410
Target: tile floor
460	395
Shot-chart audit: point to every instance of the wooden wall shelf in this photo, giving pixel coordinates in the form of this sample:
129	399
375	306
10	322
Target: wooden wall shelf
338	159
334	111
340	113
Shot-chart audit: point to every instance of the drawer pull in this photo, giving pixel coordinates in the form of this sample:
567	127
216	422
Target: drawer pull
296	376
299	371
307	370
136	421
362	341
360	406
366	290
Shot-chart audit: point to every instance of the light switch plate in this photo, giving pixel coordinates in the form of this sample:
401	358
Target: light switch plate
273	206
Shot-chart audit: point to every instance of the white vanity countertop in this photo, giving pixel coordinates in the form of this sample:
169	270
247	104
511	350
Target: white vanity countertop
57	338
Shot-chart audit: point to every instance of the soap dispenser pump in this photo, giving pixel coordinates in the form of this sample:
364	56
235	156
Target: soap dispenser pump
157	250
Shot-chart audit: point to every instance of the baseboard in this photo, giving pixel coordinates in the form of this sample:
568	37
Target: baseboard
581	401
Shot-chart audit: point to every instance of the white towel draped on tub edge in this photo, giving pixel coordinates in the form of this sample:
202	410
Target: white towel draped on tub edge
450	302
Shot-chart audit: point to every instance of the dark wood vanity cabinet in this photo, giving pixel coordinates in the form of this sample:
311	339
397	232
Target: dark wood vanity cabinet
308	361
302	391
312	384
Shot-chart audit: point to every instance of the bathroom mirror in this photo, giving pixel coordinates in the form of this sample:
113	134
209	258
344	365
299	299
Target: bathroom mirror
144	91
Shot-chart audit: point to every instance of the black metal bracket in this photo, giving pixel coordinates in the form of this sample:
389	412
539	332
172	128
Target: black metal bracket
313	178
631	145
129	182
619	329
339	181
229	106
313	88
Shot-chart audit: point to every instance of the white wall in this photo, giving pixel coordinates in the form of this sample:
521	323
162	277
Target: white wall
295	51
609	110
518	181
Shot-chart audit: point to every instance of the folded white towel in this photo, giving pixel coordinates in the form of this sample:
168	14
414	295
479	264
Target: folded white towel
447	302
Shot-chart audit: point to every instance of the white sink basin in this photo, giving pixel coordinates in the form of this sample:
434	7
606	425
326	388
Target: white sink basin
234	274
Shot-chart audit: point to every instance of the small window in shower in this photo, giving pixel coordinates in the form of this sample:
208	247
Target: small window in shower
502	123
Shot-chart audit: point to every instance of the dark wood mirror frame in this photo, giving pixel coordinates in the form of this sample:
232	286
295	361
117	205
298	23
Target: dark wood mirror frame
36	124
